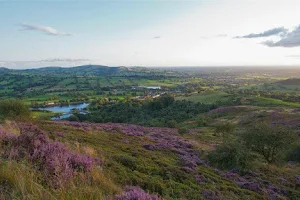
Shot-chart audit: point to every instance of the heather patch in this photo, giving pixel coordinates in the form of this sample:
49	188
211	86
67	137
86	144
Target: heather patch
164	138
136	193
57	163
161	161
229	109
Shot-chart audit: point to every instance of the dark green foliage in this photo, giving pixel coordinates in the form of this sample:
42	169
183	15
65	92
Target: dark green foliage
271	141
202	121
233	155
126	161
162	111
294	154
183	130
73	118
14	109
171	124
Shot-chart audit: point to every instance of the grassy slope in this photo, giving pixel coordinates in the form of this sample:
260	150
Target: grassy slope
262	101
207	97
157	171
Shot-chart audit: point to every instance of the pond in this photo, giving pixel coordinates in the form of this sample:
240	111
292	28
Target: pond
153	87
65	108
149	87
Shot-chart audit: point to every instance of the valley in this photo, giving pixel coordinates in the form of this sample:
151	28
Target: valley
154	133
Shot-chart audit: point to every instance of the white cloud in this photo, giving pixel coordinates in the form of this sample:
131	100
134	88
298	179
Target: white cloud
44	29
291	39
64	60
267	33
156	37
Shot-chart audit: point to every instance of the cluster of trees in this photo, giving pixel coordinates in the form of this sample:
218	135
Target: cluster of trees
266	142
164	111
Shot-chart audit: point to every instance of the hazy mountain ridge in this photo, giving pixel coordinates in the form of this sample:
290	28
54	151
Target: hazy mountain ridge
93	70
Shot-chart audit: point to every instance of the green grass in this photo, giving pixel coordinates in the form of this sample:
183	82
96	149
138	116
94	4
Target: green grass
262	101
155	171
207	97
41	115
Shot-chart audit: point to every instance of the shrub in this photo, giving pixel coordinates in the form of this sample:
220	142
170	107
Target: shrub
202	121
74	118
182	130
294	154
232	155
127	161
171	123
14	109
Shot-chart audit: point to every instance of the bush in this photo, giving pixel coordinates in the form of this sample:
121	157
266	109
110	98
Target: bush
14	109
232	155
171	123
294	154
202	121
271	141
127	162
182	130
74	118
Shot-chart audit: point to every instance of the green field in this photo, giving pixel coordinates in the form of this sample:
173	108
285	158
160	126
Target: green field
262	101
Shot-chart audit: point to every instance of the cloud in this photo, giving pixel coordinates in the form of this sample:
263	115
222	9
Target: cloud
156	37
44	29
293	56
222	35
64	60
271	32
291	39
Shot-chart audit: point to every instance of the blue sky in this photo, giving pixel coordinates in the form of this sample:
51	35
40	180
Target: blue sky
149	33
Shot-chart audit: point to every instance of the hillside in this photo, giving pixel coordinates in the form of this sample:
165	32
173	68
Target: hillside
96	70
197	137
156	159
293	81
92	70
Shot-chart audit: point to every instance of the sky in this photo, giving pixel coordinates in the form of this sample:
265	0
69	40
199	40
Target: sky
149	33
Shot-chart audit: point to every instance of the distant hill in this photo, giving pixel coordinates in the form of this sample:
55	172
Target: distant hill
93	70
96	70
293	81
4	70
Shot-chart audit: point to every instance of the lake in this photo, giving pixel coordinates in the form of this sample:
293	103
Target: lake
65	109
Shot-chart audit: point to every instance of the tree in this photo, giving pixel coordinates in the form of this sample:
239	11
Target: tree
271	141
